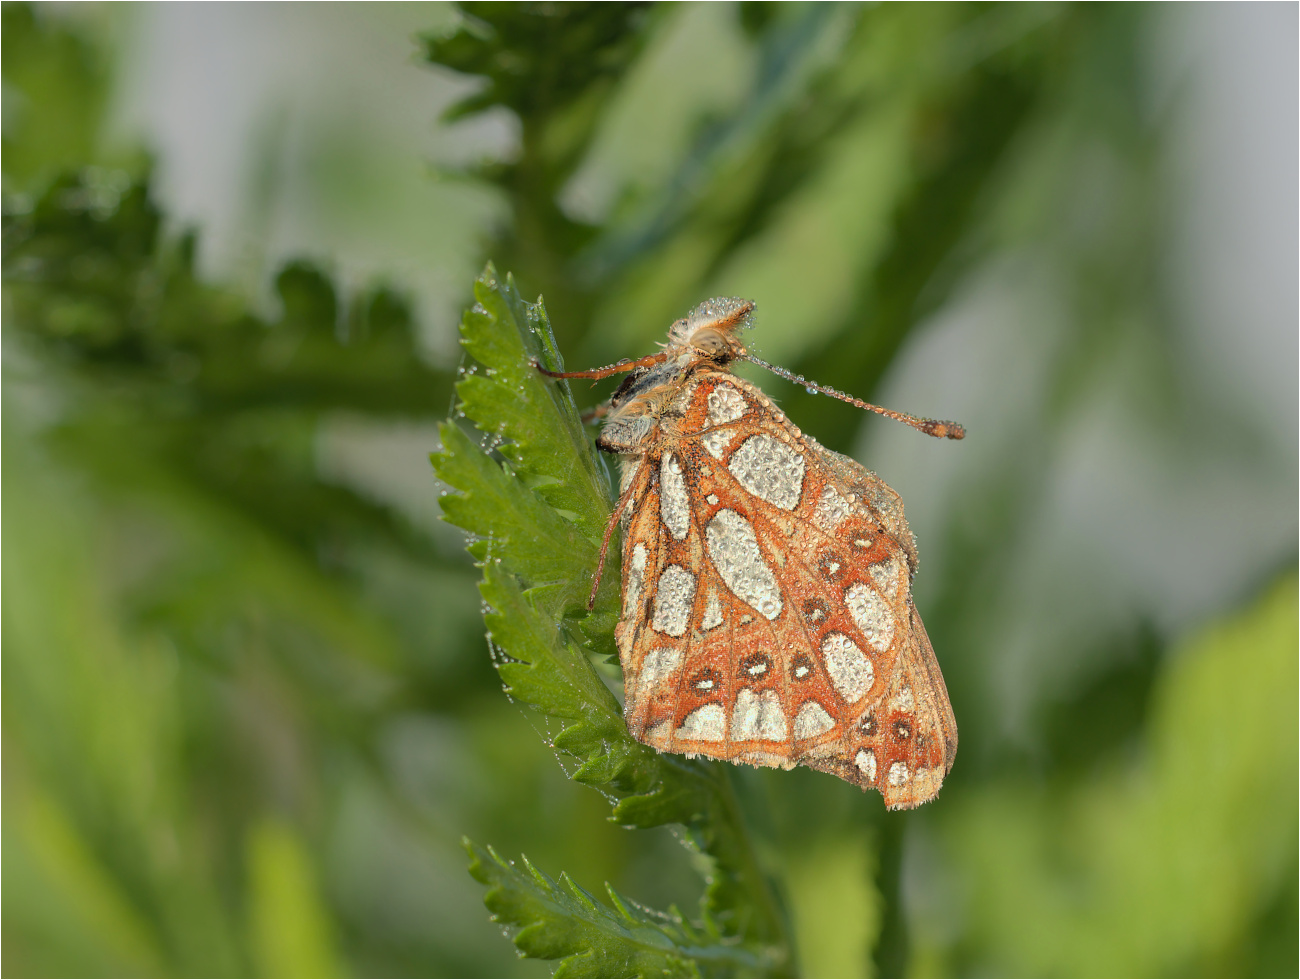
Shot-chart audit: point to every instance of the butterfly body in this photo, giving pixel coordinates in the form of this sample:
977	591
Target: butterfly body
767	613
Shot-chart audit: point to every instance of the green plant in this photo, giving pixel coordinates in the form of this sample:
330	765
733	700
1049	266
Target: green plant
537	516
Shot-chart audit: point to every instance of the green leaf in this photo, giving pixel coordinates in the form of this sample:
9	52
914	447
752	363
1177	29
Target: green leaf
560	920
292	931
64	881
547	443
549	536
567	48
166	364
56	84
512	524
92	279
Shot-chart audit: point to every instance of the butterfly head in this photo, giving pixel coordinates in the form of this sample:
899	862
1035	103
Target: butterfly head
711	331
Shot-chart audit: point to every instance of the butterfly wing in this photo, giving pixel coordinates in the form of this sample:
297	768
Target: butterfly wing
907	741
768	615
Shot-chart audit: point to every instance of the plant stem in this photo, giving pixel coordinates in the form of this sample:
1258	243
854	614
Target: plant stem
892	950
741	885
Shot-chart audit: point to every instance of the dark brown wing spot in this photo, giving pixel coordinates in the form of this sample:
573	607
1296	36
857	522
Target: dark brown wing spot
815	610
831	565
706	681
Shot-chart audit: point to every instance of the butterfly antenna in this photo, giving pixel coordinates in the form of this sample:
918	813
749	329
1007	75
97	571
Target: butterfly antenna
931	427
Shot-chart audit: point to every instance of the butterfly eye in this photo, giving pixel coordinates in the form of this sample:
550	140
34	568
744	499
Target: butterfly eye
802	669
868	725
755	666
708	342
902	730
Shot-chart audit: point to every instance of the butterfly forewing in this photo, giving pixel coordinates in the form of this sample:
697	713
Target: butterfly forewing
767	611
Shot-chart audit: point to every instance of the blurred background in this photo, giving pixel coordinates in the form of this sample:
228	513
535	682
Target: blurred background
248	706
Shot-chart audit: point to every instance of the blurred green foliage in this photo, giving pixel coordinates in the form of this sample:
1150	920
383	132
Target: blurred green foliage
248	710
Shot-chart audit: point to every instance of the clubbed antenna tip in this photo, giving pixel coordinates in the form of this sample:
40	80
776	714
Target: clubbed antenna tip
938	428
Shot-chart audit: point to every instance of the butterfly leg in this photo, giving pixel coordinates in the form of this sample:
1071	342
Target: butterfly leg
637	483
596	412
604	372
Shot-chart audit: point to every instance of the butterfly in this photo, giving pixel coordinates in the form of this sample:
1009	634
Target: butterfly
767	613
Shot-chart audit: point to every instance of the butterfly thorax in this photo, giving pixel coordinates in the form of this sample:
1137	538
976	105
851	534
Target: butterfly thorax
707	340
650	404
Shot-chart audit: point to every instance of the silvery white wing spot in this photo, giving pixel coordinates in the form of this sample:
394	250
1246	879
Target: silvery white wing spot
767	602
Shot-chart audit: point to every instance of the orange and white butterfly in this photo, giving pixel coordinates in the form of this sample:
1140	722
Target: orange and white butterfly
767	602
